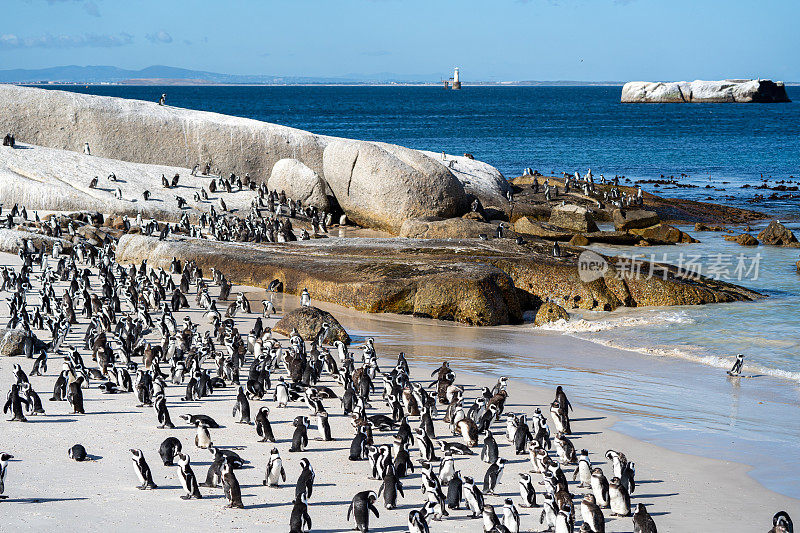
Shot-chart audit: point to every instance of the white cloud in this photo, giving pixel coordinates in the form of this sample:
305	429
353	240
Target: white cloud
159	37
11	41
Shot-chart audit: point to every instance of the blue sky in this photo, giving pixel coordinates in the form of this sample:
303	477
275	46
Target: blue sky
489	39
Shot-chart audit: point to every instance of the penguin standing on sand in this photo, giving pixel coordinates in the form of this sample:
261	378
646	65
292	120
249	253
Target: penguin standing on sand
360	507
600	487
263	426
300	437
417	522
242	407
390	488
620	500
305	481
493	476
510	516
160	406
455	491
526	490
299	520
474	497
60	387
202	438
323	426
75	395
230	485
584	470
592	514
4	459
643	522
489	453
169	449
14	404
275	472
188	479
143	471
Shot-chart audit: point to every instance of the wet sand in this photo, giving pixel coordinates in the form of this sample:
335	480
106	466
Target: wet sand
46	489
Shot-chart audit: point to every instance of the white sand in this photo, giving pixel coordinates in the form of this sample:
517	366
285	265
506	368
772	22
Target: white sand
47	490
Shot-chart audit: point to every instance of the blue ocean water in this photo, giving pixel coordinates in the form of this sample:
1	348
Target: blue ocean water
546	128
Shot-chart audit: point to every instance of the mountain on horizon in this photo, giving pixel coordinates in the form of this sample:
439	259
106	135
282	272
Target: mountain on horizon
108	74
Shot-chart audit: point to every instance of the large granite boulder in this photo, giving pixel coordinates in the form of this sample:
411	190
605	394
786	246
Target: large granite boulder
448	228
664	234
744	91
11	342
573	217
542	230
776	234
627	219
481	180
299	182
308	322
550	312
381	185
745	239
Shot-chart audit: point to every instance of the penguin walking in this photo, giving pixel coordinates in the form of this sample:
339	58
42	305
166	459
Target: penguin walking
360	507
526	490
736	369
143	471
390	488
263	426
299	520
275	472
188	479
242	407
230	485
493	476
4	459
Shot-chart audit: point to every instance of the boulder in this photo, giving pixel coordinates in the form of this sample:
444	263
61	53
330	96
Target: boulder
308	323
742	91
550	312
700	226
480	180
776	234
627	219
579	240
745	239
664	234
573	217
449	228
542	230
11	342
299	182
613	237
381	185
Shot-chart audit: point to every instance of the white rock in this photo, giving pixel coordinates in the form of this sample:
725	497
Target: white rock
480	179
299	182
742	91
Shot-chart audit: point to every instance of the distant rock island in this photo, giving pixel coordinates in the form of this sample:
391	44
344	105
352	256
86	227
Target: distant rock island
699	91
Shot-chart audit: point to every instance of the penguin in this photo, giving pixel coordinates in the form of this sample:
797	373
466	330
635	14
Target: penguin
584	470
4	459
207	420
358	446
323	426
468	430
565	521
360	507
592	514
493	475
188	479
143	471
526	490
600	487
620	499
489	453
490	520
299	520
565	449
231	488
305	481
417	522
275	471
75	395
736	369
455	491
169	449
510	516
77	453
447	469
522	435
781	521
300	437
425	445
160	406
474	497
390	488
549	512
242	406
14	404
202	438
263	426
60	387
281	393
40	364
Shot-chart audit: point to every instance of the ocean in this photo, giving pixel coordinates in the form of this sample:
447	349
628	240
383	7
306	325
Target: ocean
671	388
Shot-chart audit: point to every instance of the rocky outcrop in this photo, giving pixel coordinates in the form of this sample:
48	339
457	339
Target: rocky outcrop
11	241
11	342
542	230
308	322
381	185
745	239
480	179
447	228
776	234
573	217
628	219
470	281
550	312
740	91
299	182
664	234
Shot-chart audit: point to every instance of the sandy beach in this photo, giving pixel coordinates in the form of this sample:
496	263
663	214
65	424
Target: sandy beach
45	488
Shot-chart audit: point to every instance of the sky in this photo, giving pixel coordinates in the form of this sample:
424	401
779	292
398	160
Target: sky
490	40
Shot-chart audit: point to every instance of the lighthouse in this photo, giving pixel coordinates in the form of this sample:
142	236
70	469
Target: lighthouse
456	80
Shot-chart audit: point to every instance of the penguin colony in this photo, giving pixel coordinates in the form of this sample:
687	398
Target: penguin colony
139	347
